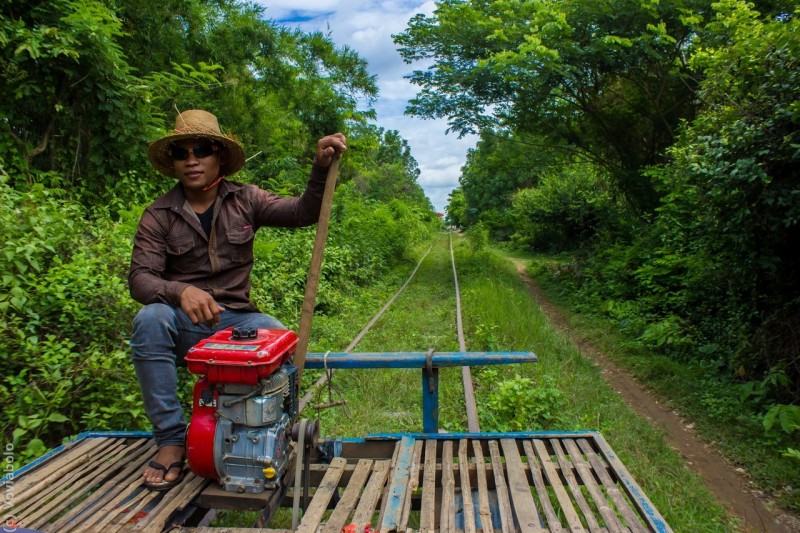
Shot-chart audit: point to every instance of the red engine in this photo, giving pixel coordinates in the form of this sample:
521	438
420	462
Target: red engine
243	407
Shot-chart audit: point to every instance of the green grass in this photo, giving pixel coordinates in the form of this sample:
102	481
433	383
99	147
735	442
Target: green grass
496	301
498	314
422	317
713	404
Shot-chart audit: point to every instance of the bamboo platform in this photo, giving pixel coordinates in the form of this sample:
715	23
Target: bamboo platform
529	482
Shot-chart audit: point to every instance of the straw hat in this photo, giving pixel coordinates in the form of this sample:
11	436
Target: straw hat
200	124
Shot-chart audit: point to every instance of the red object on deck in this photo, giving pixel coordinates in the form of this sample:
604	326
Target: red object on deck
200	433
227	358
231	356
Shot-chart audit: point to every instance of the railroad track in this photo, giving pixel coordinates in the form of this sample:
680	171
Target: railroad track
473	425
429	481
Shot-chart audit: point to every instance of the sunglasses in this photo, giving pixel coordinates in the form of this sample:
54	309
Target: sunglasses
200	151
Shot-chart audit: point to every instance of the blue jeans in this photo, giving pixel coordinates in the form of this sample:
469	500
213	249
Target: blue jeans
162	335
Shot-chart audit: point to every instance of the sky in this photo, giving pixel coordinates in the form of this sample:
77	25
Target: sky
367	27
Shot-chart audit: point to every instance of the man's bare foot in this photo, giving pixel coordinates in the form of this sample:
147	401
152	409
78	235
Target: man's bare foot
166	456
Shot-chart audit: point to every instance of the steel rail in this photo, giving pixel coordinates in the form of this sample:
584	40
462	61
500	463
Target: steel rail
466	375
324	378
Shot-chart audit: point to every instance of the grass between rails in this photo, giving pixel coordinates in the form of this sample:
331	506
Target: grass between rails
422	317
721	417
562	391
500	314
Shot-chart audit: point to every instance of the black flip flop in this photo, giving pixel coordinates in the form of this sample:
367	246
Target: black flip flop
165	485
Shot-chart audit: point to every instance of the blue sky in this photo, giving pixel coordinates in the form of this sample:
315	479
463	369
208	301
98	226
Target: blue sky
367	27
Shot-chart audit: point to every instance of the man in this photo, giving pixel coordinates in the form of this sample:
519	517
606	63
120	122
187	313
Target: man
191	263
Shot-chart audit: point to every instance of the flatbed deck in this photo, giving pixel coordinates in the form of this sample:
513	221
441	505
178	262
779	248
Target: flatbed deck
536	481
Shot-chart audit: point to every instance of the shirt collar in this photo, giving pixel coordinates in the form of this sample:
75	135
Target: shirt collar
175	198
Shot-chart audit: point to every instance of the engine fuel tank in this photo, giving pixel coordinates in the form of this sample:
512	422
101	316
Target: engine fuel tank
241	356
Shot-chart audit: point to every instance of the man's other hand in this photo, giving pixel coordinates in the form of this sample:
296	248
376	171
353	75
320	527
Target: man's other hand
200	306
328	147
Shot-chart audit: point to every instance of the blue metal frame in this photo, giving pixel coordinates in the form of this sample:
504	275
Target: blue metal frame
430	400
430	375
635	492
489	435
414	359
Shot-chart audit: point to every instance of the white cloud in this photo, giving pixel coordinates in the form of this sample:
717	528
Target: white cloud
367	26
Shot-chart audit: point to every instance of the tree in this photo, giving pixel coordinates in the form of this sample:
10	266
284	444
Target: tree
732	205
71	103
382	167
607	80
456	209
87	83
563	211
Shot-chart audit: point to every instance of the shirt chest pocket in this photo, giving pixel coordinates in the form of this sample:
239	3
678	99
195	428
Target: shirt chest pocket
240	244
182	254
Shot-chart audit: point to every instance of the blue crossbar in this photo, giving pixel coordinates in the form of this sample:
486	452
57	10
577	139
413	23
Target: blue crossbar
415	359
430	365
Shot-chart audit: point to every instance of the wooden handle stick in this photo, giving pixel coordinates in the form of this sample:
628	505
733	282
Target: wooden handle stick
307	313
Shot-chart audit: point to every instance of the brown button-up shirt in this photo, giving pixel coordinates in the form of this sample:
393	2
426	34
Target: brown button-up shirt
171	251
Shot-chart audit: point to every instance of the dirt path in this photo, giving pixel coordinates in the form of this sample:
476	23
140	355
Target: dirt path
732	488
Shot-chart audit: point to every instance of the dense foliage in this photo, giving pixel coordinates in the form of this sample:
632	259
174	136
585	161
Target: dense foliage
607	80
84	85
655	144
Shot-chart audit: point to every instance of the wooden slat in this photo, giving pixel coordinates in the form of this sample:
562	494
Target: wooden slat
501	487
134	507
551	473
36	476
71	469
115	462
484	510
74	486
580	484
610	485
369	500
349	499
448	507
322	497
553	523
524	505
398	486
385	494
587	476
466	488
574	487
640	500
176	498
413	483
111	509
111	487
427	518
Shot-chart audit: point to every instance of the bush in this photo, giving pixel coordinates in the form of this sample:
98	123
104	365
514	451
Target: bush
66	312
520	404
65	315
563	212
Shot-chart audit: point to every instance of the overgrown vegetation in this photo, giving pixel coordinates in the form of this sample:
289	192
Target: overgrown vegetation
84	85
563	391
655	146
728	413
